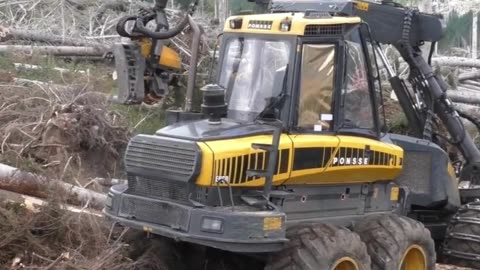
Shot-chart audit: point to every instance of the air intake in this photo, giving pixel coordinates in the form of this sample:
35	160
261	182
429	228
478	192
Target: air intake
324	30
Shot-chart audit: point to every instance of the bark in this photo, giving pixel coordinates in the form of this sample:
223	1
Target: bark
32	203
469	76
470	109
464	97
456	61
14	180
14	34
470	82
469	88
54	50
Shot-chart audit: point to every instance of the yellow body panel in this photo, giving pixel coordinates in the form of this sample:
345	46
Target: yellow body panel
232	157
328	143
347	163
298	23
145	47
169	58
303	159
451	172
206	173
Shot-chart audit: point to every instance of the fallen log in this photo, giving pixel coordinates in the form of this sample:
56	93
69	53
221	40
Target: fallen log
469	75
54	50
456	62
464	97
15	180
32	203
471	82
470	109
14	34
469	88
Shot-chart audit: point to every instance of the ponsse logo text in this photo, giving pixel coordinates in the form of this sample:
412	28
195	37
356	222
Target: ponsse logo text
349	161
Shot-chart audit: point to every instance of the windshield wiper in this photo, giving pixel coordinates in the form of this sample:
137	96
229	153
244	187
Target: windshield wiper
275	102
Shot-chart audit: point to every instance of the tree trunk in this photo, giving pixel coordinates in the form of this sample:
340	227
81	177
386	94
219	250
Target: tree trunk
31	203
456	62
14	34
464	97
470	82
14	180
469	88
54	50
470	109
474	35
469	76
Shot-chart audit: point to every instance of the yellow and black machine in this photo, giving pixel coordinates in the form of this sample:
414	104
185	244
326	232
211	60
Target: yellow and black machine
289	162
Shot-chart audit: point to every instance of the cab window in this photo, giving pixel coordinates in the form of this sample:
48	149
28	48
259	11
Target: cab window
356	99
315	111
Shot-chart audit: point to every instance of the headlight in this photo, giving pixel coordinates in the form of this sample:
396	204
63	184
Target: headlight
236	23
109	201
212	225
285	25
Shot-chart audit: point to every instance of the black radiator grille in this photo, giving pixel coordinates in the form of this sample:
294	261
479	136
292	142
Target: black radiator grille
157	188
155	212
171	159
323	30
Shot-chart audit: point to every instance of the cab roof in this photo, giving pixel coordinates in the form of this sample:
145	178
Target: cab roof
301	23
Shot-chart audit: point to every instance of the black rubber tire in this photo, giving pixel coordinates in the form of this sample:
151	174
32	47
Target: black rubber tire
463	237
155	253
319	247
388	237
224	260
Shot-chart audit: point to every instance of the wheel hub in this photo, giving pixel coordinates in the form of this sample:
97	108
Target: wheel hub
414	259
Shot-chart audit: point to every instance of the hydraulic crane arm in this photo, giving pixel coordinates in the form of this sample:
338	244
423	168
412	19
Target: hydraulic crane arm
407	30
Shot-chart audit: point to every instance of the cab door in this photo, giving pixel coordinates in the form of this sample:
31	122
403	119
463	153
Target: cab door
313	137
335	134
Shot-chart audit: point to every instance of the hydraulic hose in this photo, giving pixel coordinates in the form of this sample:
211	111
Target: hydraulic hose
140	27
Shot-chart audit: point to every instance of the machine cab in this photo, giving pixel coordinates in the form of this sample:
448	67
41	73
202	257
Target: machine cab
312	71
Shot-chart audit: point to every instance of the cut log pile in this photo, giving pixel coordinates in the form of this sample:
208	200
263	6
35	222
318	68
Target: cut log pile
61	130
84	28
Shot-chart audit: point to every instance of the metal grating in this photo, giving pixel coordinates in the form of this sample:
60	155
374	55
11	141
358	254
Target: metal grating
323	30
172	159
155	212
157	188
416	173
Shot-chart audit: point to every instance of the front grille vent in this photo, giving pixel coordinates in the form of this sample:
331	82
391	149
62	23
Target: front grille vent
168	158
157	188
324	30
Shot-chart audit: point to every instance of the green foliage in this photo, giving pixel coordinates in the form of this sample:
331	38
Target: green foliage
458	32
237	6
410	3
142	120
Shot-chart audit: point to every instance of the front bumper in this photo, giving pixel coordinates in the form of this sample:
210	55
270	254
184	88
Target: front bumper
243	229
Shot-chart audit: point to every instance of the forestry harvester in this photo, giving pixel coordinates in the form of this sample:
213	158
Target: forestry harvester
289	161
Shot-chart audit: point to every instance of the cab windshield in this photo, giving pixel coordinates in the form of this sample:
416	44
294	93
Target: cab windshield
253	73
